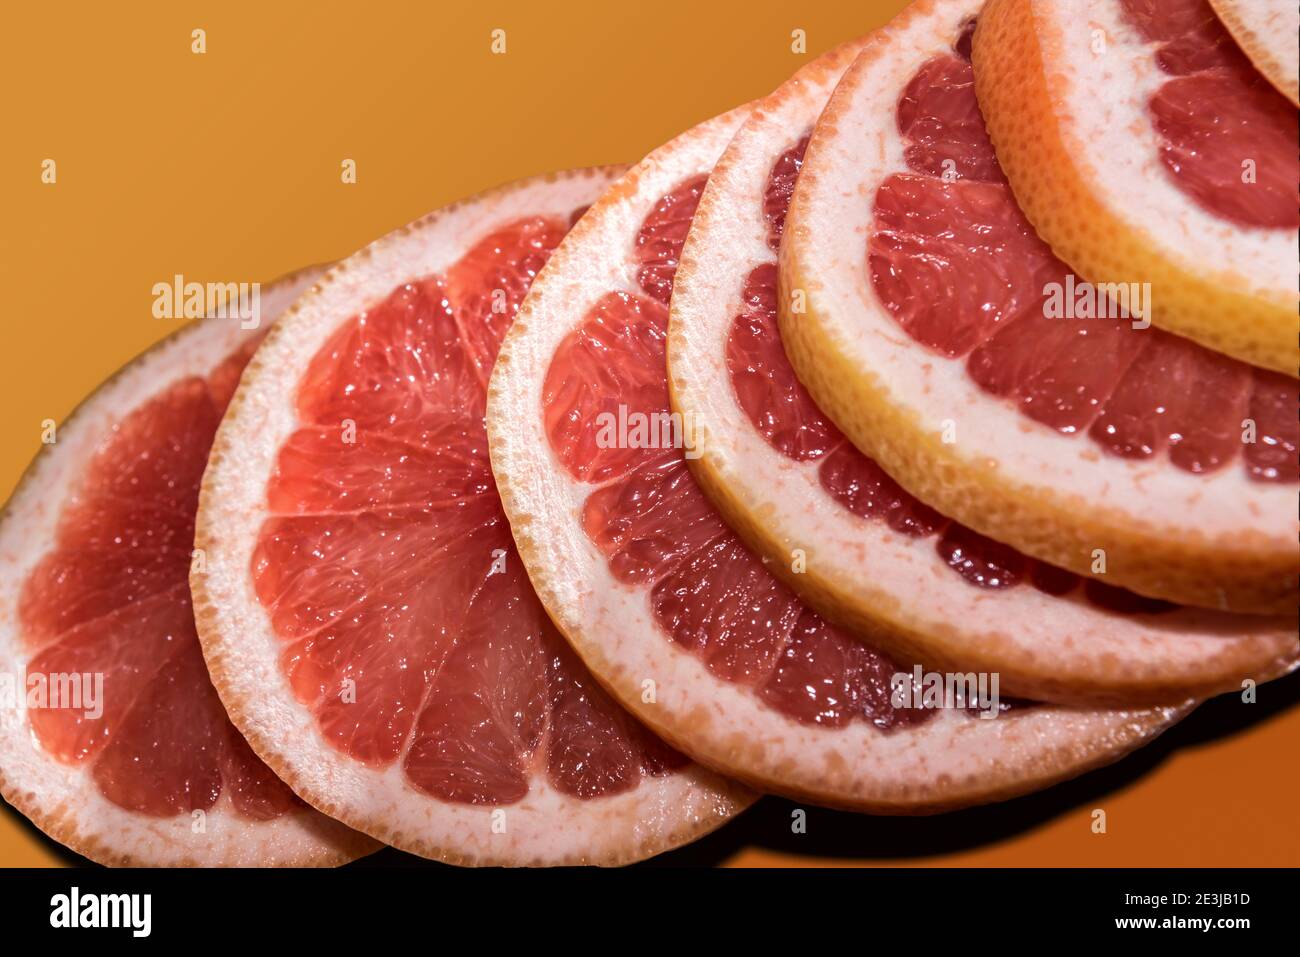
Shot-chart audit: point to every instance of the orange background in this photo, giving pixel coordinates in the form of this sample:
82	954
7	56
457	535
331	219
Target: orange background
225	166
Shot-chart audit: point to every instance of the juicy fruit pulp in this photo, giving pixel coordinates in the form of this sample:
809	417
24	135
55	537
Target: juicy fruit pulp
1217	111
112	597
410	629
783	412
709	594
959	267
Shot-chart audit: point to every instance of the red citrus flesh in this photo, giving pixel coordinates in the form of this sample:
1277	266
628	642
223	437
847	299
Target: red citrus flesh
959	267
1215	111
783	412
385	520
112	597
709	594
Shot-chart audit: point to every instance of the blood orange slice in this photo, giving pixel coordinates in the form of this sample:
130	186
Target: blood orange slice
1265	31
664	604
365	616
868	554
1145	148
917	309
112	738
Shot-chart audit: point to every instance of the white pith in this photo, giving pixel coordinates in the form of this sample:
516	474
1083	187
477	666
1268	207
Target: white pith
1223	510
949	761
1054	647
61	798
546	826
1105	112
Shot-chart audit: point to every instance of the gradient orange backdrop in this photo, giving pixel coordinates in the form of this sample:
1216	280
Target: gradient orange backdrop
226	166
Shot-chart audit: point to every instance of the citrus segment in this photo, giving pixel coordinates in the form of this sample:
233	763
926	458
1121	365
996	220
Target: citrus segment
959	267
661	236
155	773
437	706
1145	149
1214	110
112	597
468	676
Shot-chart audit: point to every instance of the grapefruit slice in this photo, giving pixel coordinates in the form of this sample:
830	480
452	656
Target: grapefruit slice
112	739
1265	30
1145	148
869	554
365	617
668	609
917	308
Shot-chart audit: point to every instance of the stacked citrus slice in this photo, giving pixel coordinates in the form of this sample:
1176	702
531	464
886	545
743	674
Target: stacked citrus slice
364	614
795	457
667	607
112	739
841	532
948	343
1145	148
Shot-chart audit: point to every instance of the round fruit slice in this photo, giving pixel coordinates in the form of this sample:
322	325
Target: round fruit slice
1145	148
365	617
868	554
1266	31
945	340
112	738
664	604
